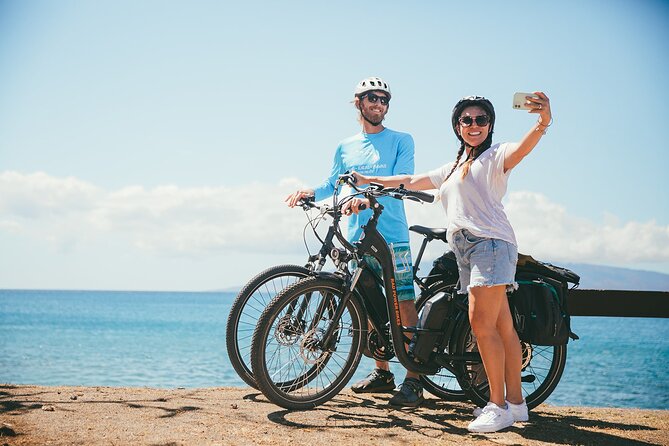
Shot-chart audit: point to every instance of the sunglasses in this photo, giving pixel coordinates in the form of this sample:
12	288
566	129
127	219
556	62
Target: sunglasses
373	98
480	120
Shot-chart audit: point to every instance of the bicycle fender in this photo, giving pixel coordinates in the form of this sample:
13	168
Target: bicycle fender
328	275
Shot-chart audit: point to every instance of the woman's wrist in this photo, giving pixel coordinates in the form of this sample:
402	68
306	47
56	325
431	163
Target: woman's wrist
541	122
541	127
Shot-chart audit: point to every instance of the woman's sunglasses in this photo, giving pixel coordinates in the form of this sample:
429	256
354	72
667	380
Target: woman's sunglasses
371	97
480	120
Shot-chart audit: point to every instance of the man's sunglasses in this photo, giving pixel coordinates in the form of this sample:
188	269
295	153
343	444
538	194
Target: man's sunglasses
373	98
480	120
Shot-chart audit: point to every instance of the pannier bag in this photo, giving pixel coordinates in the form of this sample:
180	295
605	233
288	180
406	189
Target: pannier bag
539	311
444	269
433	319
528	265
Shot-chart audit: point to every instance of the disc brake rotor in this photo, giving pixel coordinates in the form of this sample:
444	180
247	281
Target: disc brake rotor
526	352
287	330
310	349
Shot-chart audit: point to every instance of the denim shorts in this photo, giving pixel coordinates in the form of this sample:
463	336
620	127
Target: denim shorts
484	261
403	270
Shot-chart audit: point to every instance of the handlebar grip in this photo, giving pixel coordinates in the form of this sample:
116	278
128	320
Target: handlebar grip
347	178
362	207
422	196
307	201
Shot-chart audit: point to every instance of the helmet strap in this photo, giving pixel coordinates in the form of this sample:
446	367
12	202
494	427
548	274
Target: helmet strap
375	124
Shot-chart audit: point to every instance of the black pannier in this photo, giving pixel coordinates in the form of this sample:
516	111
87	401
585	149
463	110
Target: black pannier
539	310
433	318
444	269
528	265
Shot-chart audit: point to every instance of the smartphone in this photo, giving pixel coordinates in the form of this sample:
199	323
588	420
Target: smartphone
519	100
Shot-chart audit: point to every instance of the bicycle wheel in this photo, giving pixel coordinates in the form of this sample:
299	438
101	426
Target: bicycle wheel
247	308
443	384
290	366
542	368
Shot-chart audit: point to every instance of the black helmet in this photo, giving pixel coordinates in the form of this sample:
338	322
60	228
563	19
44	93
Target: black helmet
468	101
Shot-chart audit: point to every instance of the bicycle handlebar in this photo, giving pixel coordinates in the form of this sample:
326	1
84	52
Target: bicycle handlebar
377	190
399	193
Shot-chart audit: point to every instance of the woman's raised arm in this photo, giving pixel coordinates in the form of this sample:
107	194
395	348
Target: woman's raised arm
540	105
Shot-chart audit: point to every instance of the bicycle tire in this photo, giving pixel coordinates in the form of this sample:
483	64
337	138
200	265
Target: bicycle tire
247	307
443	384
541	370
289	366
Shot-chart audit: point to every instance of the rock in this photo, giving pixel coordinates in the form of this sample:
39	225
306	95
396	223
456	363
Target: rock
234	406
73	397
48	408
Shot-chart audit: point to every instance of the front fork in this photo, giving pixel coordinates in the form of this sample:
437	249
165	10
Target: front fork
328	336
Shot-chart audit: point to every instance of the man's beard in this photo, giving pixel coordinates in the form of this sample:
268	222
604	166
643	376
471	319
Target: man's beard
376	120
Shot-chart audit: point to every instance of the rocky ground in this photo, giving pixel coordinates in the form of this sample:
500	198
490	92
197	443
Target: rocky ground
32	415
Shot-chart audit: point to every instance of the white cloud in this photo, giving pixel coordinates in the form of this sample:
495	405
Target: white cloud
166	219
171	220
545	230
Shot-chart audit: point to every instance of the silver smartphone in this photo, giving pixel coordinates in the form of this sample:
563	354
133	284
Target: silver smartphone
519	101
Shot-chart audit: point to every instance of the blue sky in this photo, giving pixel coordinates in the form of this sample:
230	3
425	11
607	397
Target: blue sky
149	145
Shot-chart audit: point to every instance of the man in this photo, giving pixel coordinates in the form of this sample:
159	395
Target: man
379	151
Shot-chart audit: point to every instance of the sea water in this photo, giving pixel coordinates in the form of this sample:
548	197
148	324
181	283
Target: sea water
177	339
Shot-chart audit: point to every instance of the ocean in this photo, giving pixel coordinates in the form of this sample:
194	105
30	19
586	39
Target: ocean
177	339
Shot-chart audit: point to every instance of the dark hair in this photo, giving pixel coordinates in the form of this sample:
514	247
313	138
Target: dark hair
463	103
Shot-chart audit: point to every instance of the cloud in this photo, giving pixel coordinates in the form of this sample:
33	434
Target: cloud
167	219
175	221
546	231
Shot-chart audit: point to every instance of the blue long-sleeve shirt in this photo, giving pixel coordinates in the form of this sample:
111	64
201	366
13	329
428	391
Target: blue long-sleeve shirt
380	154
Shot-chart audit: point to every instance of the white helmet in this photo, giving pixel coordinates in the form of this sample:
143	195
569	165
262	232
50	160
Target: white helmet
371	84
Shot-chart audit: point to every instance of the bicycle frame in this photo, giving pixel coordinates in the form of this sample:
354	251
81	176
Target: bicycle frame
375	245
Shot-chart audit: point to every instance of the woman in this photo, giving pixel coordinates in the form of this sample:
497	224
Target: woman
478	231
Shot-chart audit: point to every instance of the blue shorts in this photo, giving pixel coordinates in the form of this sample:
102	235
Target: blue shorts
403	270
484	261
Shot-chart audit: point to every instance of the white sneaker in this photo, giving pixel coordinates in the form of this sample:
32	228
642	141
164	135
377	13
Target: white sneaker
519	411
492	419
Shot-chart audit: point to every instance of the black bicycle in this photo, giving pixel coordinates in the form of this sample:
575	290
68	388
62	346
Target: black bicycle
255	296
310	338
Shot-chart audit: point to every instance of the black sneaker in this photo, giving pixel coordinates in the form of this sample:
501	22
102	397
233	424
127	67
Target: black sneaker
410	394
377	381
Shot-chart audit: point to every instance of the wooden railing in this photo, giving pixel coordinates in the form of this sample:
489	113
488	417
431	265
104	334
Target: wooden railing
618	303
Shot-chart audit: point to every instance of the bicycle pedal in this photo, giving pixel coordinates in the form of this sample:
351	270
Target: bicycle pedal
528	378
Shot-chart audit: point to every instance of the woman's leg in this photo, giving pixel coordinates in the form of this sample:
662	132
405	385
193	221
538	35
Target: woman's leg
512	354
485	304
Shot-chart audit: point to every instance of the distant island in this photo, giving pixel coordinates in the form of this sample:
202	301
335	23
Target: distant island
593	277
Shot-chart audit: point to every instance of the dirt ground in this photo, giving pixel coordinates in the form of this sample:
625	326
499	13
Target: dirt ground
33	415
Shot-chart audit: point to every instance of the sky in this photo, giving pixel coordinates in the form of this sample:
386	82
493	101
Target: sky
149	145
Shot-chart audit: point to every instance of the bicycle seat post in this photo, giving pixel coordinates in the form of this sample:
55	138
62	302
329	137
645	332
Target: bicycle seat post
416	266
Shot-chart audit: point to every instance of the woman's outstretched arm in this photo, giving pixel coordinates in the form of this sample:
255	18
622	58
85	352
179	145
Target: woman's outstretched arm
412	182
540	105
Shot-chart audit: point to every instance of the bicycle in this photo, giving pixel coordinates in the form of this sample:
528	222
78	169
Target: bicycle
309	339
259	291
254	297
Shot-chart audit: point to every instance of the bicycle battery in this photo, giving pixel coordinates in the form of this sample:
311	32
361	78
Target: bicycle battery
374	297
433	317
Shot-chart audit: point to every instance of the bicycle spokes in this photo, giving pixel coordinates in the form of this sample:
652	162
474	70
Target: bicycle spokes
295	354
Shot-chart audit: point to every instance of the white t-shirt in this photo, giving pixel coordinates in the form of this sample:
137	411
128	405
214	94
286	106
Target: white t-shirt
475	203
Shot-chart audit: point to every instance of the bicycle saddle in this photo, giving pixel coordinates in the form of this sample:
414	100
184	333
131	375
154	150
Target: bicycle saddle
430	233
